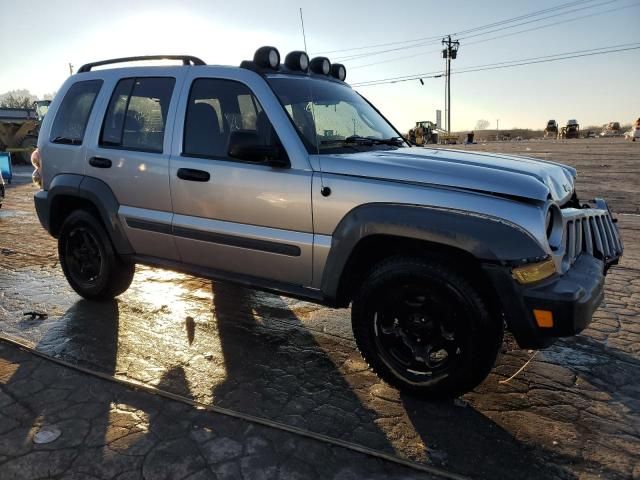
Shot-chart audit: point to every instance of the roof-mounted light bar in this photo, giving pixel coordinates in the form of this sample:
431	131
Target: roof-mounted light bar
338	71
320	65
267	57
297	61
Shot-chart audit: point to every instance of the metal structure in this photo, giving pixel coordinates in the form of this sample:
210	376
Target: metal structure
449	53
19	129
551	129
425	132
611	129
572	130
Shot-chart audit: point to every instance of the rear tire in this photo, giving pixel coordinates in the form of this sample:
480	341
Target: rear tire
89	262
424	328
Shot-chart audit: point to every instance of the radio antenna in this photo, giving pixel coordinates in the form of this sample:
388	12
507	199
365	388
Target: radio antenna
324	190
304	37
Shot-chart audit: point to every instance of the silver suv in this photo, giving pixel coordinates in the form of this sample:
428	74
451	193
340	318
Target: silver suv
280	177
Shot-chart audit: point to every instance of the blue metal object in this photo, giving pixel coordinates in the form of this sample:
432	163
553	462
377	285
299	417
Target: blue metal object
5	166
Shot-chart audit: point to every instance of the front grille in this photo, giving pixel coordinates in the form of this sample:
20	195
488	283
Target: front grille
592	231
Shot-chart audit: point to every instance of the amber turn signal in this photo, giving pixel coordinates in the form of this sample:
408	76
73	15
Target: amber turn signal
534	272
544	318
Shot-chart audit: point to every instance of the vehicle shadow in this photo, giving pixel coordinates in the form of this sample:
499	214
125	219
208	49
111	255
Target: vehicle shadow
279	371
278	368
292	376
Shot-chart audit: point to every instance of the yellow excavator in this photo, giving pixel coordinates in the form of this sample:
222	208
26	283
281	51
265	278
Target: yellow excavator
19	128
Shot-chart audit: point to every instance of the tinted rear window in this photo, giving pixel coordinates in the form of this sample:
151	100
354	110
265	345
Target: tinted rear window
72	117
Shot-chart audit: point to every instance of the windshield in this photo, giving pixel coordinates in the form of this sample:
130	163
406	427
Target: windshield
332	117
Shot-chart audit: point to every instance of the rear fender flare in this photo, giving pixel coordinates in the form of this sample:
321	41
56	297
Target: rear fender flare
99	195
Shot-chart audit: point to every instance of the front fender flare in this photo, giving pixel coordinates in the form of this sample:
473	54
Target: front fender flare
489	239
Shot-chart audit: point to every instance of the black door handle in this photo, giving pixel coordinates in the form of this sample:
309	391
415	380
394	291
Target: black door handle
100	162
193	175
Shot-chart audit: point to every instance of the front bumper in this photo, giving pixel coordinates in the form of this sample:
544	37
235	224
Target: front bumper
572	298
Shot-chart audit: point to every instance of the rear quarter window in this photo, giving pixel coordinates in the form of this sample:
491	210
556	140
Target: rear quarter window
73	114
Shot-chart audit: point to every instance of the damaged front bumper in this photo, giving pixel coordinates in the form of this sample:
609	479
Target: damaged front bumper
562	305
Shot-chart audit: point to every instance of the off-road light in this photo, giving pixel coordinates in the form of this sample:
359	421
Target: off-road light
297	61
321	65
267	57
534	272
338	71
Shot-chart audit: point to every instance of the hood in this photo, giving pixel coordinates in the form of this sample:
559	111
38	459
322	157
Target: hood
488	172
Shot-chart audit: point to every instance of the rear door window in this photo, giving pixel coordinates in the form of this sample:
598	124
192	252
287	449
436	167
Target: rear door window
137	114
72	116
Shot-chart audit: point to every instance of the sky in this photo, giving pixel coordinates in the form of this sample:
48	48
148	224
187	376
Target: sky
594	90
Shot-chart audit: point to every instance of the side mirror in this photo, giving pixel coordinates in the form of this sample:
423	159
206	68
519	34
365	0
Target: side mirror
245	145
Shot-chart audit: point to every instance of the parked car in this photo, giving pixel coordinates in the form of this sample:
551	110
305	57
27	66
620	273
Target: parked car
280	177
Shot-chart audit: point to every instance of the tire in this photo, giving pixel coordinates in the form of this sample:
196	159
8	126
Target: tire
424	328
89	262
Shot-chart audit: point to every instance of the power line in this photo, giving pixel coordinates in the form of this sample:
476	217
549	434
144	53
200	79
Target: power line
415	45
553	24
539	19
413	55
437	37
498	65
507	64
433	41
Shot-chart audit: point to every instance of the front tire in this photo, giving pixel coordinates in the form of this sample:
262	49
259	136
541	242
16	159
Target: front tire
89	262
424	328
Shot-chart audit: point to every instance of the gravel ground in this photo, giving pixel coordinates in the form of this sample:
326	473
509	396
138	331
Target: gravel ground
573	412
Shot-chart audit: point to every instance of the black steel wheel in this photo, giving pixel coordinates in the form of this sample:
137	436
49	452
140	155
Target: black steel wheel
424	328
88	260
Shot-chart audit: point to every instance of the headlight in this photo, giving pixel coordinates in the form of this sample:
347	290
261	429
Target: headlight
320	65
553	226
534	272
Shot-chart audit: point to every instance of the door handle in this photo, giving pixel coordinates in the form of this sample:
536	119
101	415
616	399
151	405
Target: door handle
100	162
193	175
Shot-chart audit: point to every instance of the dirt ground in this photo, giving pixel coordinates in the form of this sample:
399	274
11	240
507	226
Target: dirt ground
573	412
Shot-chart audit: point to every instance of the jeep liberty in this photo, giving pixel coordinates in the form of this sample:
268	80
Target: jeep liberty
280	177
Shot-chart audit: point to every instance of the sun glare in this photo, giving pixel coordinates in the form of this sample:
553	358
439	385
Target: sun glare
175	31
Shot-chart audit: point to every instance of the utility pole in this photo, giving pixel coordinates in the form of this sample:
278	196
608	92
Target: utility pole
497	129
449	53
70	69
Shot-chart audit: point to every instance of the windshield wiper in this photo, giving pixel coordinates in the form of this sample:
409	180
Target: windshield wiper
394	141
67	141
360	140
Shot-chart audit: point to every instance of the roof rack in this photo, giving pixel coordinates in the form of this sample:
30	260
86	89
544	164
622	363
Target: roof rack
186	60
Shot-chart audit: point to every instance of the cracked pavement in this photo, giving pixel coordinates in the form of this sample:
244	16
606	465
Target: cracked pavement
573	412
